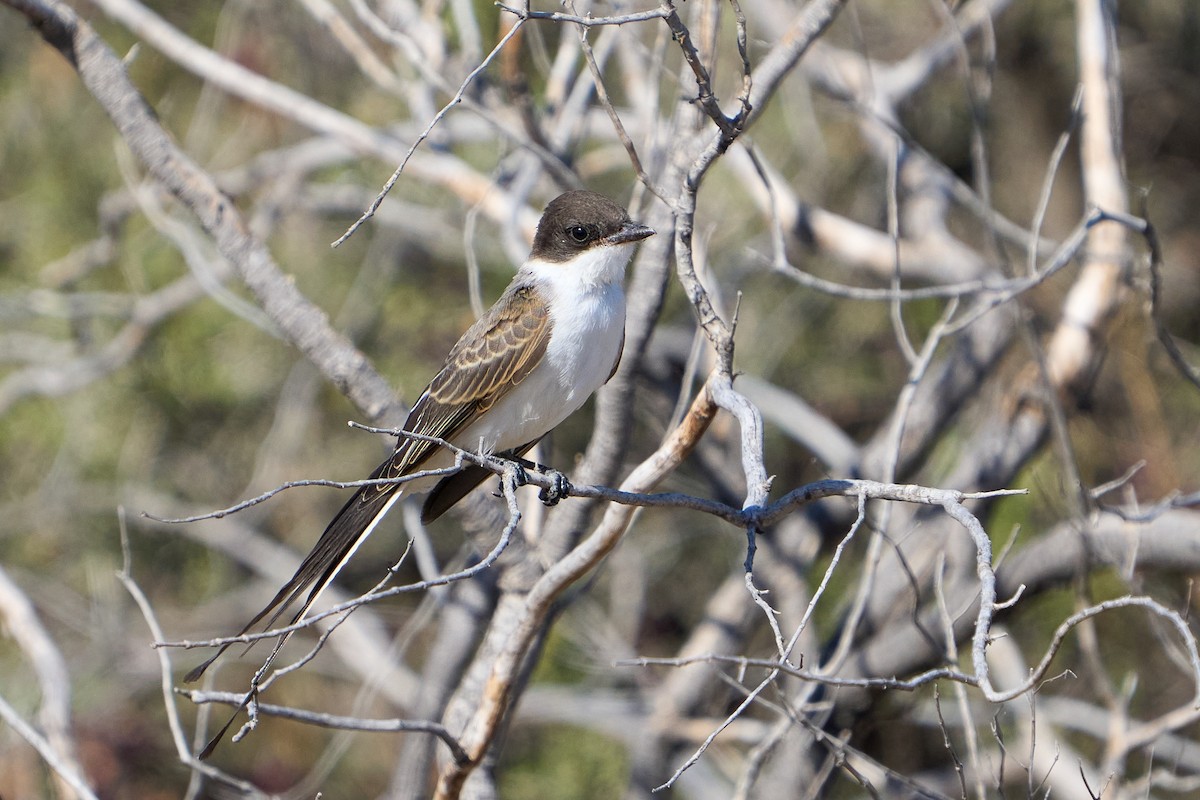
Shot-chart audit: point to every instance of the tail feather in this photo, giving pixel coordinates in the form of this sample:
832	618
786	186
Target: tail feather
345	532
348	529
454	488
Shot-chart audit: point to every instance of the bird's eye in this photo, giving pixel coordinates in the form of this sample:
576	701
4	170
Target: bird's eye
578	234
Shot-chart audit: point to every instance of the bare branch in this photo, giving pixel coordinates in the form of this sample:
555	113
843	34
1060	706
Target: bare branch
334	721
57	746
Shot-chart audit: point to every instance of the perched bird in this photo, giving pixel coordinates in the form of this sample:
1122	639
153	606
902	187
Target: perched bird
552	339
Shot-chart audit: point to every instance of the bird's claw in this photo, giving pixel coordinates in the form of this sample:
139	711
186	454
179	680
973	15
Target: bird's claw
557	490
520	475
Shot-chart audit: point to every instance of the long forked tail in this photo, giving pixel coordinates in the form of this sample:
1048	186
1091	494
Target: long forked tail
341	538
348	529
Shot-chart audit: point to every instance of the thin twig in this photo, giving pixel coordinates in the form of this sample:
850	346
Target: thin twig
334	721
44	749
455	100
662	12
182	749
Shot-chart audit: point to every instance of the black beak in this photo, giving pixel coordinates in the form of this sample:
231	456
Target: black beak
629	232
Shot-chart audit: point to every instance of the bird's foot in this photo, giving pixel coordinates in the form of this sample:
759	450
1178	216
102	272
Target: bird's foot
520	473
559	488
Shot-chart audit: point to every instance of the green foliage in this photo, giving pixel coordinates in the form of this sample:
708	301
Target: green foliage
562	762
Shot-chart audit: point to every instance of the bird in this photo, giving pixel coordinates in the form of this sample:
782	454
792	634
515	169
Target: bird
553	338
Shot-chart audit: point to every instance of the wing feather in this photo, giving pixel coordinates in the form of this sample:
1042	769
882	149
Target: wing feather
496	354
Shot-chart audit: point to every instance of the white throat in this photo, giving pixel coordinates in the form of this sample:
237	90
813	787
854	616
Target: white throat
591	270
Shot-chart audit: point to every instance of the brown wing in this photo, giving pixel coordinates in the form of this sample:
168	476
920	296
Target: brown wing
496	354
493	356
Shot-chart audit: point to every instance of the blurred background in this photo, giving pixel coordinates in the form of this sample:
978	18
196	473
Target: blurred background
137	375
